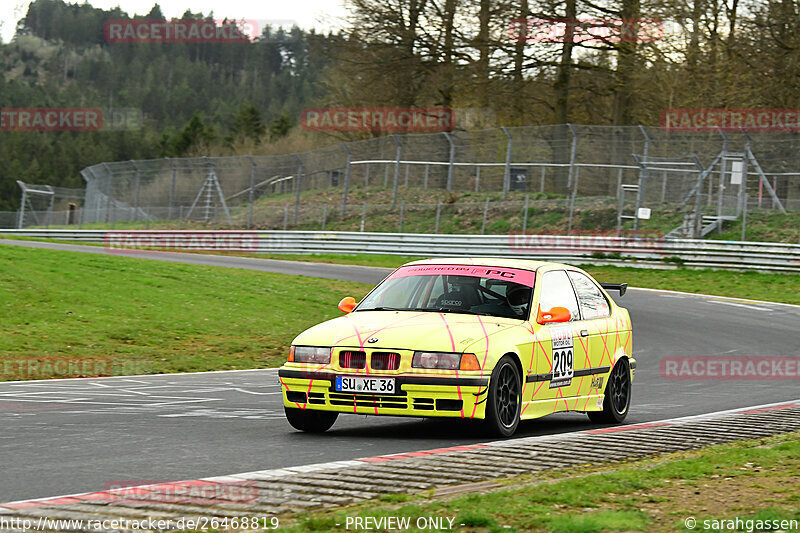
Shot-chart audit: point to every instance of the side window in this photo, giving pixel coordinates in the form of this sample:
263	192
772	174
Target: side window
557	292
593	303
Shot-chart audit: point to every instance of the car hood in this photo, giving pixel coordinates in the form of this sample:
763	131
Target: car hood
410	330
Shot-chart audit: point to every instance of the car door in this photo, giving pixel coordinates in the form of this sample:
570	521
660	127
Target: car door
564	352
597	330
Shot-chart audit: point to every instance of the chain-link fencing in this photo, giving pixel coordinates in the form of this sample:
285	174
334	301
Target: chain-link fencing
697	178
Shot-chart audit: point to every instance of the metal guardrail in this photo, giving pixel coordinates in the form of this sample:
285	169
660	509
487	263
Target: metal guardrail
649	252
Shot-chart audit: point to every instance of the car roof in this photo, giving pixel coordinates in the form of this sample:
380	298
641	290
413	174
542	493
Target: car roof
524	264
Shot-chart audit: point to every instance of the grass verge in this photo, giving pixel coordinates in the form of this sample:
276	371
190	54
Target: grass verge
751	480
66	314
109	315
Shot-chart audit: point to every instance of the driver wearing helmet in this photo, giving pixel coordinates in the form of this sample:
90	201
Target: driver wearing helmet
514	305
518	300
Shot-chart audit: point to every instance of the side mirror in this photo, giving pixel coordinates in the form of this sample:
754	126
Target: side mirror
556	314
347	304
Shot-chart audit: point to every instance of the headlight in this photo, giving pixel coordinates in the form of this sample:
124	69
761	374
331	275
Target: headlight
310	354
445	361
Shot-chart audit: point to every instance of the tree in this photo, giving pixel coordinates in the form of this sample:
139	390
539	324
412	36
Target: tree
247	125
279	127
195	136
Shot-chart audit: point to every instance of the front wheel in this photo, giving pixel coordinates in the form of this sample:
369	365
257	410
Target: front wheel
618	396
504	400
310	421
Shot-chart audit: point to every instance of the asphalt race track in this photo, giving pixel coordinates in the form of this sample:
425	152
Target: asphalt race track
68	436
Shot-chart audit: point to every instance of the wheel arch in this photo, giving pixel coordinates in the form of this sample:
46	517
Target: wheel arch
618	356
518	362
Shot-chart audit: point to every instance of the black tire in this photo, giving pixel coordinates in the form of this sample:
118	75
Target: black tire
617	399
504	400
310	421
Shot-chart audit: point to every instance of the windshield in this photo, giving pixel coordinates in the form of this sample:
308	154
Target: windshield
463	289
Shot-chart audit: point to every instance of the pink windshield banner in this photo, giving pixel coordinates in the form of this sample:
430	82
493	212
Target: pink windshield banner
523	277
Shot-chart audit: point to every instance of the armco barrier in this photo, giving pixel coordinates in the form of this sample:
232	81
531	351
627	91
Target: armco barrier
776	257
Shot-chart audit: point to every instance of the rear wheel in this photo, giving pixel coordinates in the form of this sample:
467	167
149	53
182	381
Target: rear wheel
310	421
618	396
504	399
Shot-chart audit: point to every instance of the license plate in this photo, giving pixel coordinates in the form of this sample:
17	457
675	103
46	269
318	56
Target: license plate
365	385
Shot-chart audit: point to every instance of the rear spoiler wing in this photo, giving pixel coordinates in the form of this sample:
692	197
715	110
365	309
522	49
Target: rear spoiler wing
621	287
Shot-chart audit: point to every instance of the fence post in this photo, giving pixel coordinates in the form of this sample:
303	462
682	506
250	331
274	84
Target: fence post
298	187
572	154
427	170
477	177
251	196
571	176
744	218
572	199
485	214
285	216
171	188
643	173
438	214
366	175
541	184
525	216
507	172
346	178
180	217
723	171
53	199
452	160
402	214
398	156
108	187
21	219
698	211
743	185
138	187
363	216
324	216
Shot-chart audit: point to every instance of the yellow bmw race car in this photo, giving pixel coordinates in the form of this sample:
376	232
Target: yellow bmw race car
501	340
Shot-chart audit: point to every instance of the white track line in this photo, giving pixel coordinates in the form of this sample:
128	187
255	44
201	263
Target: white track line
26	381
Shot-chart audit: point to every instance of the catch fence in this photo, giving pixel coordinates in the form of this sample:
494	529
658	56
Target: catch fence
706	177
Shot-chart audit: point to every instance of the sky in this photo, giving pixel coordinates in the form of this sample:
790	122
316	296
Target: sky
320	14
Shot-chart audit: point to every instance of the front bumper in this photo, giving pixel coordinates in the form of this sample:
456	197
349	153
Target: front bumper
416	395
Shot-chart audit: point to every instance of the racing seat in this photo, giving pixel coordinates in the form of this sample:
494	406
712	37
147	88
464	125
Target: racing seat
460	296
